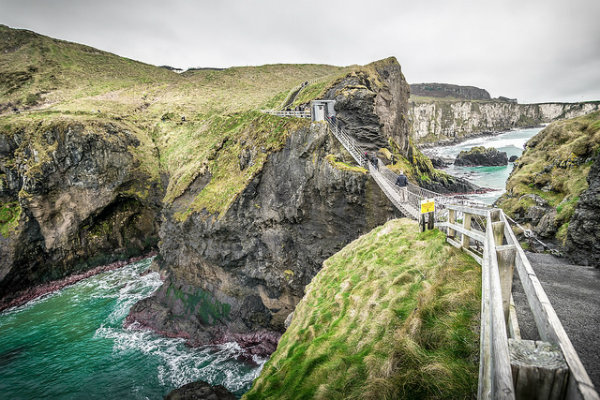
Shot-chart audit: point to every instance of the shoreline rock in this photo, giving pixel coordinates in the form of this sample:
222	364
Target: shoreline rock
35	292
200	390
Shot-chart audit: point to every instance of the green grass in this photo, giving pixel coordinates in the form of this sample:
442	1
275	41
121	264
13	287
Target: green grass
9	217
342	166
392	315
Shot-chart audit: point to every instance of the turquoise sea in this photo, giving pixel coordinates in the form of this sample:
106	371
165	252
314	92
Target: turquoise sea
71	345
512	143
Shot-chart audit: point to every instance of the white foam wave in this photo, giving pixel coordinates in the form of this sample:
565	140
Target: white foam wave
179	364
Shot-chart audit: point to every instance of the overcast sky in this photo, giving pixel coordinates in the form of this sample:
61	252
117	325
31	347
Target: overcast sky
535	50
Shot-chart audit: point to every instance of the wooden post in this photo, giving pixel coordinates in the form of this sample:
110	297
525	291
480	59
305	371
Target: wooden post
498	228
467	226
506	266
421	222
431	221
452	220
539	370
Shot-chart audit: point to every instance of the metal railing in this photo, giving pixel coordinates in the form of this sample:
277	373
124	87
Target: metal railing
297	114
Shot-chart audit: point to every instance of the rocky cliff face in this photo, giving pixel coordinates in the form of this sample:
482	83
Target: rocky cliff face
444	90
583	235
71	197
554	186
447	121
232	276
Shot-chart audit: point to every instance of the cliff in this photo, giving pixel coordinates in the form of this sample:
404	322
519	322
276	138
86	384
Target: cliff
391	315
74	193
554	186
241	269
445	90
446	121
243	206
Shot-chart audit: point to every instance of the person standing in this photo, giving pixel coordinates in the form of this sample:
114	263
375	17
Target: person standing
402	182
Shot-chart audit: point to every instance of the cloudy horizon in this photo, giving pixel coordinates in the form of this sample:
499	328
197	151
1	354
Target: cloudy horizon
535	51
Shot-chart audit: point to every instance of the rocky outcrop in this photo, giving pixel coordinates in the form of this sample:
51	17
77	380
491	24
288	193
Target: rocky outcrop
442	90
200	390
554	186
481	156
444	122
75	197
243	273
583	235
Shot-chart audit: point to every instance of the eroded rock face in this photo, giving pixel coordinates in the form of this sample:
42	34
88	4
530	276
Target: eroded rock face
447	122
239	276
75	191
583	235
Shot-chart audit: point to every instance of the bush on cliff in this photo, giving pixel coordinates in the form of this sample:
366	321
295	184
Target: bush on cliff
392	315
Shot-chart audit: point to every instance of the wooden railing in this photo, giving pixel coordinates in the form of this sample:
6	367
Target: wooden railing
511	367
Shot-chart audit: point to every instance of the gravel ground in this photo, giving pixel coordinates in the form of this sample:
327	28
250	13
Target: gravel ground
574	292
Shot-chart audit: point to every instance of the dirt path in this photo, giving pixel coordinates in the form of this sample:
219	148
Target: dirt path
574	292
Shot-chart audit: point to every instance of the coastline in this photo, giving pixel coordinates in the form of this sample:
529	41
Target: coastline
25	296
459	139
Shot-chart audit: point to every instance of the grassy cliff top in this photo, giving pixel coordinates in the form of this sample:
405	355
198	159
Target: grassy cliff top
392	315
195	122
554	166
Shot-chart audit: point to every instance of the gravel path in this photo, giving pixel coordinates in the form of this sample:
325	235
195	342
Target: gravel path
574	292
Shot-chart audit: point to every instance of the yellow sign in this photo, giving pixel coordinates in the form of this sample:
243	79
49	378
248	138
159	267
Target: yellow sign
427	206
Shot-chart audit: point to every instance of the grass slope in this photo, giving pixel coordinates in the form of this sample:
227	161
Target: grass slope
555	166
55	81
392	315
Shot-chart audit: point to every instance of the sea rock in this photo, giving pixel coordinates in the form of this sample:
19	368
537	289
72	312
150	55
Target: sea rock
583	234
200	390
512	158
481	156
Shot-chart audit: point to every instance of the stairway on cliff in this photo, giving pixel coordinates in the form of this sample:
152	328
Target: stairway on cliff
574	292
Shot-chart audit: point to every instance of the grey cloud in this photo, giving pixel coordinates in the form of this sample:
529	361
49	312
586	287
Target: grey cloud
535	50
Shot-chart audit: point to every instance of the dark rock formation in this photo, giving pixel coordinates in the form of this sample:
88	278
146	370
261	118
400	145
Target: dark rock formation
439	162
232	276
245	271
481	156
200	390
583	234
448	90
512	158
73	192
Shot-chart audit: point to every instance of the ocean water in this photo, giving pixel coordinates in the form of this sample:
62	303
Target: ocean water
71	345
512	143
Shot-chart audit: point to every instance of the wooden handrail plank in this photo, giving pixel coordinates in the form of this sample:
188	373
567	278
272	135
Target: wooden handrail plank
472	234
503	381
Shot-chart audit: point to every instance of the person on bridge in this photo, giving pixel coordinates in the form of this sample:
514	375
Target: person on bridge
401	180
375	161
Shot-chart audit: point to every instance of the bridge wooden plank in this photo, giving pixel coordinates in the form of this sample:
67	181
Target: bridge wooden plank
549	326
469	252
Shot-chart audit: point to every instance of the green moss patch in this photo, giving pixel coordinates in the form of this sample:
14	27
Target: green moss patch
9	217
392	315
